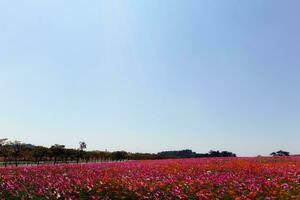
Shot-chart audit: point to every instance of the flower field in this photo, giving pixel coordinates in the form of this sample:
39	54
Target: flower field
204	178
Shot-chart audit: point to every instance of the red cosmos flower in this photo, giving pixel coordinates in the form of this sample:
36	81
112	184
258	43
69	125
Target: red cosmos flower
203	179
285	186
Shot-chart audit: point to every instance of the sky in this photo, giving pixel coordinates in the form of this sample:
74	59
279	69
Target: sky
148	76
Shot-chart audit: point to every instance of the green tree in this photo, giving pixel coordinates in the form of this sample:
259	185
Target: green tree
57	151
39	153
80	153
16	148
3	149
119	155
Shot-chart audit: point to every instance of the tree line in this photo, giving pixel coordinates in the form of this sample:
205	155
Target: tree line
18	153
280	153
190	154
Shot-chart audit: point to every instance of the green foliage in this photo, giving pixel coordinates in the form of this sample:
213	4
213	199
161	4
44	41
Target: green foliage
20	153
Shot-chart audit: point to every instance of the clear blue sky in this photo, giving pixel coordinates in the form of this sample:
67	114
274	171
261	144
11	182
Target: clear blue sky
152	75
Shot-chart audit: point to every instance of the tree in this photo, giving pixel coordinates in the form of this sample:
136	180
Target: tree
39	153
283	153
186	153
3	149
119	155
82	146
2	143
57	151
273	154
16	150
280	153
80	153
212	153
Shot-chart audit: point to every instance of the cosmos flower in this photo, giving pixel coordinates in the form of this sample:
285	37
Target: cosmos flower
203	179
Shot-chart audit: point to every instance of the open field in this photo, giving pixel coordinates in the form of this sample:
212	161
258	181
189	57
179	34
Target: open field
205	178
